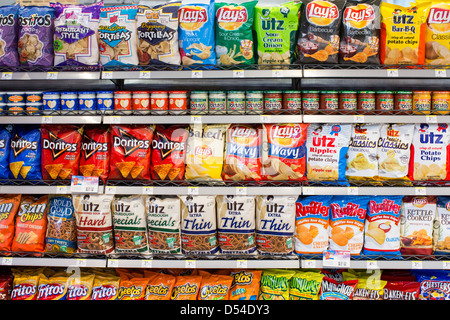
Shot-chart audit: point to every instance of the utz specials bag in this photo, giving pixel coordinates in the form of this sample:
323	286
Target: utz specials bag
8	36
5	147
437	44
117	33
284	151
441	233
196	37
25	153
95	152
157	28
36	27
61	150
76	32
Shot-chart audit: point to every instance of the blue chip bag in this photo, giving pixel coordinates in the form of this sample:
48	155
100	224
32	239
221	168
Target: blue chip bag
5	141
25	153
442	226
61	234
196	36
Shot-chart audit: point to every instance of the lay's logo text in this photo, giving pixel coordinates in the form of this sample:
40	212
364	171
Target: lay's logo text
192	17
439	16
358	16
231	17
322	13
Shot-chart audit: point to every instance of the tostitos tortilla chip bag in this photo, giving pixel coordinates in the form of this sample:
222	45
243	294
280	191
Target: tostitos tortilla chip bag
403	33
196	26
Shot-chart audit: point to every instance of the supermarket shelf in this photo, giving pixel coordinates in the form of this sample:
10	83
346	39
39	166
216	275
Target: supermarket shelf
343	71
53	262
51	75
321	118
78	119
370	191
39	189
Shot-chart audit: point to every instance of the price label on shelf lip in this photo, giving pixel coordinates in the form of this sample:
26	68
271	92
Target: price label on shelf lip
392	73
7	75
336	258
440	73
107	75
52	75
82	184
238	73
144	74
197	74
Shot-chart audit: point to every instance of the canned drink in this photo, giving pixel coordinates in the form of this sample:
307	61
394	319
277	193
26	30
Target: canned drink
105	101
254	101
122	101
236	102
199	102
34	97
34	108
69	101
217	102
51	102
159	102
16	108
15	97
87	101
141	101
177	102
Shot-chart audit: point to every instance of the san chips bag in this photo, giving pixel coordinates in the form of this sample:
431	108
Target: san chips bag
61	150
437	42
9	205
25	153
130	153
168	152
95	152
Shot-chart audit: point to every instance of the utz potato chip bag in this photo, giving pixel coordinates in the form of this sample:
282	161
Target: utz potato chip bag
275	284
318	38
75	37
285	158
305	285
118	36
360	38
430	152
61	150
441	233
196	26
8	36
9	206
242	159
169	152
311	224
382	226
130	152
326	148
332	289
348	215
276	31
245	285
233	31
36	27
437	40
157	28
402	36
5	147
25	153
95	152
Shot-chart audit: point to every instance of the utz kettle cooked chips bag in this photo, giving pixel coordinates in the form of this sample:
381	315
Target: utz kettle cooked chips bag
437	36
276	31
25	153
234	34
196	25
8	36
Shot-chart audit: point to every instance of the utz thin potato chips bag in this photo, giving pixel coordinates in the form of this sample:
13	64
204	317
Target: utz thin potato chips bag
305	285
61	150
430	152
25	153
118	36
196	26
5	147
285	158
312	220
348	215
8	36
318	38
276	32
168	153
130	152
441	233
95	152
437	40
243	153
9	206
402	37
234	34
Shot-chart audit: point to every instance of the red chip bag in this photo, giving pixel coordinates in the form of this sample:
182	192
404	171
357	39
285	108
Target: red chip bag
9	205
130	152
168	152
331	289
95	152
61	147
401	290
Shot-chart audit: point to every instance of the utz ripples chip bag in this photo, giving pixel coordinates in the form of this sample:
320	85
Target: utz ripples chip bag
8	36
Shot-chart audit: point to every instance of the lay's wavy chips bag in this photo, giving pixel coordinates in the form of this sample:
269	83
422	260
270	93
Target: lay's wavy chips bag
196	38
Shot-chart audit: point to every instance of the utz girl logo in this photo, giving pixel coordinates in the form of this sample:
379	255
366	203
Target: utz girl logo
231	18
192	17
321	13
439	18
359	16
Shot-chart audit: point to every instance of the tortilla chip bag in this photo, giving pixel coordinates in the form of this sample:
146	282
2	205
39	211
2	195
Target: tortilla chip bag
25	153
95	152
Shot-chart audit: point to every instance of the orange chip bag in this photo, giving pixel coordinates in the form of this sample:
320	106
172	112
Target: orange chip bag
245	285
214	286
9	205
186	288
132	288
31	225
159	286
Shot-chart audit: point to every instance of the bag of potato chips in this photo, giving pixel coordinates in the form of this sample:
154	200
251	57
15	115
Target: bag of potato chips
403	33
437	38
441	232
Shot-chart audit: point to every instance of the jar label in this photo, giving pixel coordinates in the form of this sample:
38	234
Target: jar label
367	104
349	104
404	104
293	103
310	103
441	105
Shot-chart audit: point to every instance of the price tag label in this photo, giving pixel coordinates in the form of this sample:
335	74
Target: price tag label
392	73
144	74
52	75
196	120
352	191
62	189
372	264
241	264
193	191
421	191
309	264
190	264
440	73
107	75
446	265
47	119
197	74
416	265
110	190
241	191
431	118
336	258
82	184
277	73
146	263
115	119
147	190
264	118
238	73
113	263
358	118
80	263
7	75
7	261
308	190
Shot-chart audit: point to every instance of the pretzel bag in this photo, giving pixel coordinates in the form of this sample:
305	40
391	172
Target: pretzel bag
62	225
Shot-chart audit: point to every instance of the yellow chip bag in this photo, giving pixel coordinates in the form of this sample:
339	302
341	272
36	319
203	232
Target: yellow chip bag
437	35
305	285
403	33
369	287
275	284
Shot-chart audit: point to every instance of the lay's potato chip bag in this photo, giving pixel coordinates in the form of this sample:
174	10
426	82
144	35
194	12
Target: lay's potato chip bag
437	35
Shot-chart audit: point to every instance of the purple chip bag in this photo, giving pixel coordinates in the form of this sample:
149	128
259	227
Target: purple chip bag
8	36
35	46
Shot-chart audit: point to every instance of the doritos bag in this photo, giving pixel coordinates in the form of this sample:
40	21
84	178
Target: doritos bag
31	225
25	154
5	147
360	36
95	152
36	29
437	42
196	23
118	36
168	152
130	153
8	36
9	205
61	150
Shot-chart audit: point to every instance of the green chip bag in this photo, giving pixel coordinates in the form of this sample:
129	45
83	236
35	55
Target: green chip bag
275	284
276	29
234	35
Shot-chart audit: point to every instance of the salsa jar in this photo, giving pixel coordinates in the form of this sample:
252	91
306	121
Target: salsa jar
292	100
329	101
440	102
254	102
348	101
273	101
236	102
403	101
421	102
366	100
198	103
310	101
385	102
217	102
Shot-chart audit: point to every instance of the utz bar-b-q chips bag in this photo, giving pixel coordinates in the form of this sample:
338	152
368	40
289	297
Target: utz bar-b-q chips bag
76	32
318	38
286	151
441	234
196	25
347	219
430	152
5	147
118	36
276	31
437	41
234	34
95	152
25	153
61	150
9	205
8	36
36	29
130	153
